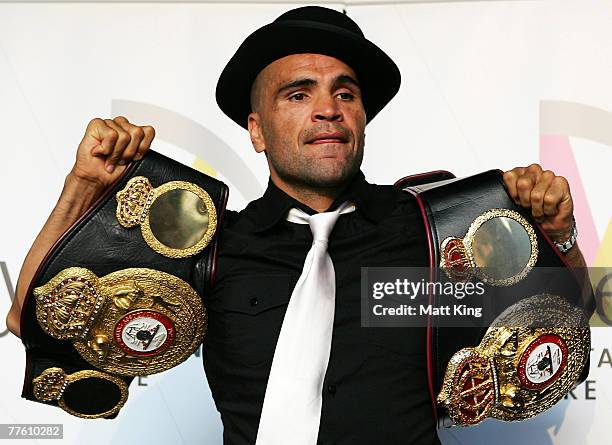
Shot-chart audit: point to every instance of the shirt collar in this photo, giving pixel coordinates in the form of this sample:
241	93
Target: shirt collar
373	201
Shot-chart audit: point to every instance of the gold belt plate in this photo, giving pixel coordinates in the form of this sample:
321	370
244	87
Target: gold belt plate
135	321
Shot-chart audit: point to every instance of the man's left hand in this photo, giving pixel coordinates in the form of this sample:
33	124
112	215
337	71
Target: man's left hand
547	195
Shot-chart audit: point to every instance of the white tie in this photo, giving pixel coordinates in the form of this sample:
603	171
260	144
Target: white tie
292	404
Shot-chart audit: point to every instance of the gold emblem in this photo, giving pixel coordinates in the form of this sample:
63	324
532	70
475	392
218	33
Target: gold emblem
54	384
68	308
529	359
50	384
130	322
500	248
177	219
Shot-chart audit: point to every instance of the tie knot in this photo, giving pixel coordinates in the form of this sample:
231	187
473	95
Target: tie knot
321	224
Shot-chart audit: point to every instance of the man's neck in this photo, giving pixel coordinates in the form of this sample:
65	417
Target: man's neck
319	199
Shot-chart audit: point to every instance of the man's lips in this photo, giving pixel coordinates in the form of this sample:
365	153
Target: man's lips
328	138
327	141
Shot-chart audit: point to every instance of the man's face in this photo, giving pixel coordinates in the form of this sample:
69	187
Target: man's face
309	119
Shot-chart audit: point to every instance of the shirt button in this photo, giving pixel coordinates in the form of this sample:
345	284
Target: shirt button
254	301
331	389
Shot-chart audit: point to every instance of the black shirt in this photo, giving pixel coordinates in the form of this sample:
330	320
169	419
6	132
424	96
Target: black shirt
375	388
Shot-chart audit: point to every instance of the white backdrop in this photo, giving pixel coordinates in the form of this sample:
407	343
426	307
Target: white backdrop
486	84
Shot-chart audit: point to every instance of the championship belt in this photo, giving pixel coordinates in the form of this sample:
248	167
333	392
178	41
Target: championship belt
120	294
537	346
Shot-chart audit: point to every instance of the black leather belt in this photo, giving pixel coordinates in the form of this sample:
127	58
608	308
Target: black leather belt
116	296
537	346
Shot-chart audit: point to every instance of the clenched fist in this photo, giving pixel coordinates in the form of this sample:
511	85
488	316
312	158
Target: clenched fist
547	195
107	146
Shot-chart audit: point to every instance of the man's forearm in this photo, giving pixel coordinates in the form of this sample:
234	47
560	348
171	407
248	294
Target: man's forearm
76	197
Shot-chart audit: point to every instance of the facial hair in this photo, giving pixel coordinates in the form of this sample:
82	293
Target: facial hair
303	173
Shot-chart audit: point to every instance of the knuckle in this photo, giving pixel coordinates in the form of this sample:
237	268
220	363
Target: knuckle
523	183
548	174
537	196
562	180
549	200
136	132
123	137
534	168
149	130
120	119
509	175
96	121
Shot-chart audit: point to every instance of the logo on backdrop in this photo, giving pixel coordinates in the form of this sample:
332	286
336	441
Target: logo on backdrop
560	121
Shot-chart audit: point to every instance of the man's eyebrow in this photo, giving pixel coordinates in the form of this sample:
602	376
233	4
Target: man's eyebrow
298	83
344	79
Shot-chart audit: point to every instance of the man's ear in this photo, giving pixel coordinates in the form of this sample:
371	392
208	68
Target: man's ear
256	132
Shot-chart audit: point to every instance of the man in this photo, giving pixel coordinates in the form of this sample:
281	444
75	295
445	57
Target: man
305	87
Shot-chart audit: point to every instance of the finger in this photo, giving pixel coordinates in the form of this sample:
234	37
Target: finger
524	186
145	144
510	178
526	182
136	135
123	139
105	135
538	192
121	120
535	169
558	199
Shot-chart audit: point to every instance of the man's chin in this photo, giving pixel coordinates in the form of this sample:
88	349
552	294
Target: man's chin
330	178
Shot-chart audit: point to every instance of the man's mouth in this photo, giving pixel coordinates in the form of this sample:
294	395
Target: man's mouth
328	138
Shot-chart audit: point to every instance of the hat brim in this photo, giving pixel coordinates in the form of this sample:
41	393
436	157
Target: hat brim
377	74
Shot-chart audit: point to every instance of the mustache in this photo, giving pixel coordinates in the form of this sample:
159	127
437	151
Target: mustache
325	128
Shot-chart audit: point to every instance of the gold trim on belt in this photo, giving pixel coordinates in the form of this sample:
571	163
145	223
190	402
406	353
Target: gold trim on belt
98	394
177	219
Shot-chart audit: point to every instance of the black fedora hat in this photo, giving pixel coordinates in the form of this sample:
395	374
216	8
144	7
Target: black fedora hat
310	29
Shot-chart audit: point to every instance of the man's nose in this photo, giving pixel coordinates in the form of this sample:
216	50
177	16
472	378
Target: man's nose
326	109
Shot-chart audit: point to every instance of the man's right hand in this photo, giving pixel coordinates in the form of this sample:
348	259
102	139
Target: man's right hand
107	146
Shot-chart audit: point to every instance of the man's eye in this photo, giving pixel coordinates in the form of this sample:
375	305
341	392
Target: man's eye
346	96
297	96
